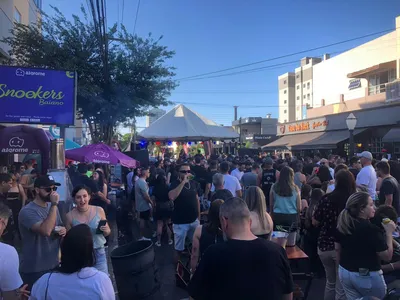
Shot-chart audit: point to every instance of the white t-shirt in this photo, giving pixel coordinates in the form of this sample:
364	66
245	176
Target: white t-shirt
10	279
231	183
88	283
237	174
367	177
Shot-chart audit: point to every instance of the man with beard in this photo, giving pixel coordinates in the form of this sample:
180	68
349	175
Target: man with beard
186	215
41	230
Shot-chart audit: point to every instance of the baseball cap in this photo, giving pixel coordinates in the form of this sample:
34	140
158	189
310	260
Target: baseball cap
366	154
269	161
45	181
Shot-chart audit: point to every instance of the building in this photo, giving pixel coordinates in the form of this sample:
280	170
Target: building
295	90
256	130
154	115
364	81
22	11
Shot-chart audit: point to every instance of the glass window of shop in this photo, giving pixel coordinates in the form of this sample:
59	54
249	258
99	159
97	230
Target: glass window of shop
377	82
375	145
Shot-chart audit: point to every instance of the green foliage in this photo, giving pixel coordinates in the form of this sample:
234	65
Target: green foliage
139	74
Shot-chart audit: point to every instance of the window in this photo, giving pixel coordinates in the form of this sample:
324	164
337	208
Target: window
304	97
298	107
308	85
298	98
298	87
285	91
285	111
17	15
285	121
304	85
284	82
284	102
308	96
375	145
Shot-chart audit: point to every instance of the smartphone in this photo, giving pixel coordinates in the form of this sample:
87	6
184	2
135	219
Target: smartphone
101	223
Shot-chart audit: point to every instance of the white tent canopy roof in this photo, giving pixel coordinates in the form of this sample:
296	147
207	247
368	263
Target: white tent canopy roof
181	123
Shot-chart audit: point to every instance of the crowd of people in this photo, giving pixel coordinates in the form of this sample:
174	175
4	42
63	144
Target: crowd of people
223	210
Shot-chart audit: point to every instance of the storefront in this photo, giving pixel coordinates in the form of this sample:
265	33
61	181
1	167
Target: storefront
377	131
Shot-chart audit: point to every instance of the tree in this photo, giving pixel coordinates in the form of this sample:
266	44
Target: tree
139	76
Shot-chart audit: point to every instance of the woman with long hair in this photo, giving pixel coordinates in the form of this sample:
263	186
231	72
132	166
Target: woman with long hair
164	208
90	215
299	177
98	177
75	278
261	222
285	203
361	246
16	199
207	234
325	218
320	178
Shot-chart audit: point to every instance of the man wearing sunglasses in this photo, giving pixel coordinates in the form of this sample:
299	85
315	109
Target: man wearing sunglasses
41	230
186	215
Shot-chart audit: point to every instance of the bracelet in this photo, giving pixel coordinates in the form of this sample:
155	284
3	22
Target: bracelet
392	266
53	204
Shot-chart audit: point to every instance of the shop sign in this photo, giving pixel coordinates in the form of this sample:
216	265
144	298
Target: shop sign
304	126
258	137
251	120
18	145
37	96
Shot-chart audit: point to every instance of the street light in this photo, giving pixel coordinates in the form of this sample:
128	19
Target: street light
351	122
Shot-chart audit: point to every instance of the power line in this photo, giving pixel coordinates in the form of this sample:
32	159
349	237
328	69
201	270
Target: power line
123	10
136	17
288	55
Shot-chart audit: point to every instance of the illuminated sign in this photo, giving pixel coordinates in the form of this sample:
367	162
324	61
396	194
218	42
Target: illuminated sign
37	96
319	124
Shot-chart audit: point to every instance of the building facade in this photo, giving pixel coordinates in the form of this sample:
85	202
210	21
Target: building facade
154	115
22	11
256	130
295	90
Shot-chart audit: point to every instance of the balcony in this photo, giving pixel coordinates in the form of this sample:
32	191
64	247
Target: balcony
377	89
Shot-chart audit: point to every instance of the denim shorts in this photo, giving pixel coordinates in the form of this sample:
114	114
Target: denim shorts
101	260
183	231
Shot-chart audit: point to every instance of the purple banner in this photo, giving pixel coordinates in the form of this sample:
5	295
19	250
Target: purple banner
37	96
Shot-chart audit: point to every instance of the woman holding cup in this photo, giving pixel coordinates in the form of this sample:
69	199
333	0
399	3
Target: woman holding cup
95	218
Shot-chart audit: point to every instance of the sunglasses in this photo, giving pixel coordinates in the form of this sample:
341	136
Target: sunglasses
49	189
185	171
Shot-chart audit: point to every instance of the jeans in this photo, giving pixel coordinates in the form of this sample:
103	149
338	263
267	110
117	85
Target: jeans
101	260
183	231
333	288
357	286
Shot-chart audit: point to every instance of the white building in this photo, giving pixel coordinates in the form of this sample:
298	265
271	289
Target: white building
22	11
154	115
355	79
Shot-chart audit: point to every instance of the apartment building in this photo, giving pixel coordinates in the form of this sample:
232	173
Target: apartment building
296	90
287	97
22	11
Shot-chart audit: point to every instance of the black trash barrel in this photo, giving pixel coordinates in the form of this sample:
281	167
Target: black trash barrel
135	270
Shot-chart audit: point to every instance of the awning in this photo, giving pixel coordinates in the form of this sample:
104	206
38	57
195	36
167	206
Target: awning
379	67
392	136
313	140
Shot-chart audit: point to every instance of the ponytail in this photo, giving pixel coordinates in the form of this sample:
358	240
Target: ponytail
355	204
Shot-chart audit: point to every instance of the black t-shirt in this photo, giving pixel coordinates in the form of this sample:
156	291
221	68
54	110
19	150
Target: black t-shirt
354	171
221	194
390	186
359	250
90	183
200	175
257	269
186	209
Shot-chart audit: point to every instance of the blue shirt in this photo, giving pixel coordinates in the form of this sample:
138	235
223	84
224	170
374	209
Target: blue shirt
285	205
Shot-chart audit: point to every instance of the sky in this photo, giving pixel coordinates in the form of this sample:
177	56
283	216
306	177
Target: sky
212	35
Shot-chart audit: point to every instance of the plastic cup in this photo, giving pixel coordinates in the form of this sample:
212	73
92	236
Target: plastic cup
280	238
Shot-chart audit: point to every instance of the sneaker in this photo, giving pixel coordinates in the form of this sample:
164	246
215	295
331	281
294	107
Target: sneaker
154	234
144	239
170	242
158	244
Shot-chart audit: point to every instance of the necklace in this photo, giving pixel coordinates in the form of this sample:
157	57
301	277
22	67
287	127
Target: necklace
188	188
83	213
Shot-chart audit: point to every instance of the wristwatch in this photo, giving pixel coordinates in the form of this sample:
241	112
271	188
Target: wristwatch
53	204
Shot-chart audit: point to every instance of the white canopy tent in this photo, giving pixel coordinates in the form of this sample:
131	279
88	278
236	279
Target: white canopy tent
181	123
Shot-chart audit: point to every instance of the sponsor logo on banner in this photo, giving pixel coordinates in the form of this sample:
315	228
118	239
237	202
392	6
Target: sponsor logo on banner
101	154
282	129
16	145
